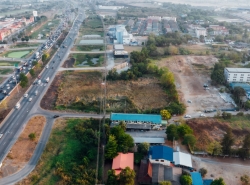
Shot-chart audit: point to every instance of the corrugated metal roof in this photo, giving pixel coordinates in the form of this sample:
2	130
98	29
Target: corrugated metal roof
196	178
122	161
136	117
207	181
238	70
161	152
183	159
151	140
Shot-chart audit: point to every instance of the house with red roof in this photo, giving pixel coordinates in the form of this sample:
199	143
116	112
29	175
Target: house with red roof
122	161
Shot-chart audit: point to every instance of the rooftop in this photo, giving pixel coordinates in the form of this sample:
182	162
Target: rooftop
151	140
196	178
118	46
161	152
238	70
136	117
122	161
182	159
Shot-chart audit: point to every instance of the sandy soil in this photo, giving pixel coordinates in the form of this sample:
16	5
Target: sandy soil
191	72
23	149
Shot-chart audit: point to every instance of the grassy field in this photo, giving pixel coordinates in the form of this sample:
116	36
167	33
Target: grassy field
45	29
13	12
88	48
63	156
81	91
91	26
25	44
5	71
79	58
8	63
17	54
1	79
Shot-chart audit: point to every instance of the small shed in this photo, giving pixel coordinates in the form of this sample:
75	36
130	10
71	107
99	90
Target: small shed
182	159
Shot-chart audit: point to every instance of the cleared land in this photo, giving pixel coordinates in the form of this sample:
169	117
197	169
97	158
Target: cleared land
83	60
191	72
81	91
8	63
91	26
23	149
24	44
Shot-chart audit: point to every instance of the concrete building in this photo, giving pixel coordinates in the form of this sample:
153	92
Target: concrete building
237	74
120	35
200	31
218	30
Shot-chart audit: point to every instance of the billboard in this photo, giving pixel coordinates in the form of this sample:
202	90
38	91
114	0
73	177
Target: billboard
34	13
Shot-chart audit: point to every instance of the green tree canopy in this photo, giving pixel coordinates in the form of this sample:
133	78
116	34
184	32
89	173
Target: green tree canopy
112	178
184	129
165	183
172	133
143	148
203	172
32	72
189	139
185	180
127	176
23	80
32	136
45	57
227	142
111	148
245	180
219	181
214	148
165	114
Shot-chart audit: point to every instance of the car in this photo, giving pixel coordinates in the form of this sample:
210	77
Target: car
55	116
189	101
202	115
7	85
206	88
1	135
39	77
30	99
47	66
8	88
25	95
17	106
187	116
205	85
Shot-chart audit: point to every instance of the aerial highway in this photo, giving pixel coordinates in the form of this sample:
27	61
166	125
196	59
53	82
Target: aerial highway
15	122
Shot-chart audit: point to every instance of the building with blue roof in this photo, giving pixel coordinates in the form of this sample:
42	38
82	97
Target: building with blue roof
196	178
207	181
136	118
161	154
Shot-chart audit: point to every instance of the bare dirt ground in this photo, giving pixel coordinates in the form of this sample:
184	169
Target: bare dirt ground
129	49
85	88
23	149
69	63
191	72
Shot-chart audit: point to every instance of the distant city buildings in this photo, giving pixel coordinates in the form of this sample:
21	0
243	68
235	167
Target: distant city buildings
218	30
11	25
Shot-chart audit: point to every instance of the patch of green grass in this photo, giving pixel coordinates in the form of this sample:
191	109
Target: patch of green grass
5	71
89	48
25	44
240	122
17	54
79	58
92	26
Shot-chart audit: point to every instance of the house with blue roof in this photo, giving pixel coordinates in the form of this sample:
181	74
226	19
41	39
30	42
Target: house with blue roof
161	154
196	178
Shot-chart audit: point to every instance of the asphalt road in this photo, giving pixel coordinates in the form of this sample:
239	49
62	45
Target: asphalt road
15	122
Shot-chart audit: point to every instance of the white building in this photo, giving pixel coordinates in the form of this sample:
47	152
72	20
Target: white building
237	74
200	31
120	35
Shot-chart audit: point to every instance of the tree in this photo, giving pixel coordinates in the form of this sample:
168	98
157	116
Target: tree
112	178
3	104
203	172
123	125
184	129
185	180
23	80
143	148
176	108
45	57
189	139
26	38
245	150
219	181
32	72
32	136
34	63
247	104
125	143
172	133
245	180
238	92
14	39
214	148
22	39
227	142
173	50
111	148
165	114
165	183
127	176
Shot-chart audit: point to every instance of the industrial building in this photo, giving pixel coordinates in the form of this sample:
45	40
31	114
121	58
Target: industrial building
237	74
119	51
120	35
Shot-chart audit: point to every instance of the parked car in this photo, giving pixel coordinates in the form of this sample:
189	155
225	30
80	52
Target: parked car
55	116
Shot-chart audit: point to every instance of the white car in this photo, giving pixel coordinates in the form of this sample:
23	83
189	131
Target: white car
25	95
1	135
17	105
189	101
47	66
202	115
187	116
8	88
30	99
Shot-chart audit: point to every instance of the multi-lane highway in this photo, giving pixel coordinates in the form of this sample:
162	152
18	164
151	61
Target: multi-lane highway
16	120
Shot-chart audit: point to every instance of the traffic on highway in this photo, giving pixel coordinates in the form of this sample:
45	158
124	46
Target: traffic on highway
27	105
7	87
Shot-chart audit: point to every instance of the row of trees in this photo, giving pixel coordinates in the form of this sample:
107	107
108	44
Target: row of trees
118	141
126	177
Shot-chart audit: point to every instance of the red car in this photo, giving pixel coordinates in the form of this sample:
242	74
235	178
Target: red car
39	77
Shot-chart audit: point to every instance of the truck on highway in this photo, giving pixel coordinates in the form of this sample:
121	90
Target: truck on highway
37	55
47	79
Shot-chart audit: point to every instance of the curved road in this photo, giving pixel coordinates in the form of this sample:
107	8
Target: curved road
16	120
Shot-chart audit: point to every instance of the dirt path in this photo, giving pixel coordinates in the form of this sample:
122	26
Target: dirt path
23	149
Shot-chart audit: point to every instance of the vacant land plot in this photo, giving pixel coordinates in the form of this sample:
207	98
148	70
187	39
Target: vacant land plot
129	49
5	71
91	26
8	63
24	44
17	54
83	60
88	48
23	149
82	91
191	72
